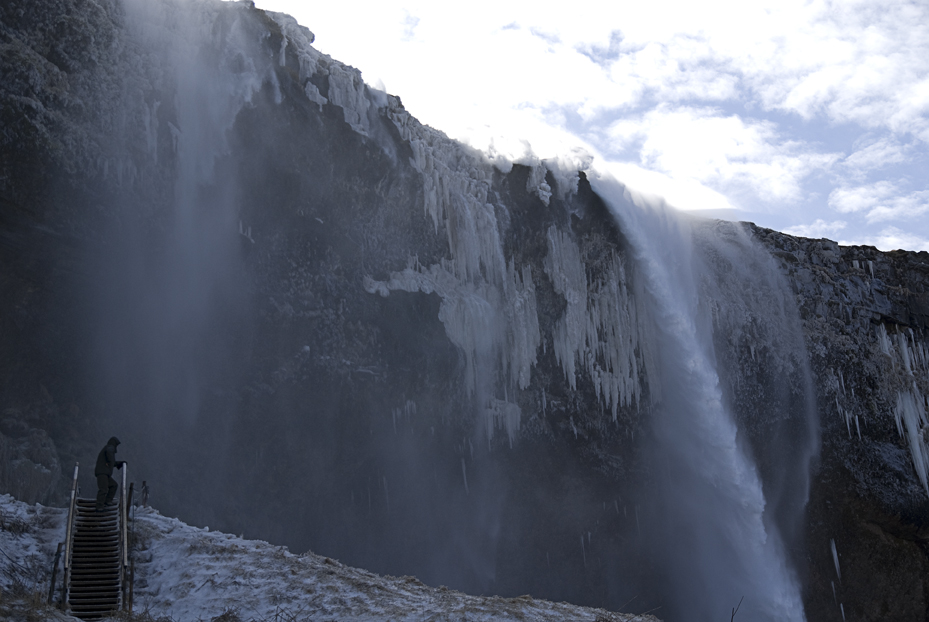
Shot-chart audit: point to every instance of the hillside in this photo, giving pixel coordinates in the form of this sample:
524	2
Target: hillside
187	573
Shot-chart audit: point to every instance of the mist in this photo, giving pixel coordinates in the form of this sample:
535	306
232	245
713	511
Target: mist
316	322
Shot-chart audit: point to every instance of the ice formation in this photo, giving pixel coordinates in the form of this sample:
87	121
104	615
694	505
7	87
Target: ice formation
488	304
909	361
599	327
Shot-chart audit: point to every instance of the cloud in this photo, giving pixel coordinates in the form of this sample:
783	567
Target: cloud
890	239
705	145
410	22
860	198
819	229
874	156
772	106
882	200
548	37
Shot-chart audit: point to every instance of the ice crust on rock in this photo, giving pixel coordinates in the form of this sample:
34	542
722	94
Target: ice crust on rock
909	361
599	327
488	307
537	185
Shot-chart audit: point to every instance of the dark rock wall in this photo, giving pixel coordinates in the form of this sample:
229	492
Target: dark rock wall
866	495
317	394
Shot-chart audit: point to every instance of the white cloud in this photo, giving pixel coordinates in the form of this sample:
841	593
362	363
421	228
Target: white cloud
876	155
714	104
890	239
903	207
720	151
819	229
860	62
680	193
861	198
881	200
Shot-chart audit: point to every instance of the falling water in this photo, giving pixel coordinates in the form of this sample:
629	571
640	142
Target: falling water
710	533
715	523
166	302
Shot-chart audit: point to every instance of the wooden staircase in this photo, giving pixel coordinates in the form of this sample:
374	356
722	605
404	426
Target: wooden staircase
95	581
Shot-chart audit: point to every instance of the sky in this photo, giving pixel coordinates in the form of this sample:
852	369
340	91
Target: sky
809	117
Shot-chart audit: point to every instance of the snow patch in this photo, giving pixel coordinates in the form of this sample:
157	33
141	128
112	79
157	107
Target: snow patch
189	573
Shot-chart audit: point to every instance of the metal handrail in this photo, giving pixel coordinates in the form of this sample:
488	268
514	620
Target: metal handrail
123	533
69	540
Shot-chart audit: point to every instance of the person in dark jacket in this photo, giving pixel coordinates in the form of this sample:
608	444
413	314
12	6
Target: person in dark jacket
106	485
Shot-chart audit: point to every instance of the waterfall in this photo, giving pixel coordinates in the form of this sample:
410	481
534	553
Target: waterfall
468	355
712	532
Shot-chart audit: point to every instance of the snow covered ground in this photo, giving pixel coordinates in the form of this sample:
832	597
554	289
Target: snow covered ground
185	573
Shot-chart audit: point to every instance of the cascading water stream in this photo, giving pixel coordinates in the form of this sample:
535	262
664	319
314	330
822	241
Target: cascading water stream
711	535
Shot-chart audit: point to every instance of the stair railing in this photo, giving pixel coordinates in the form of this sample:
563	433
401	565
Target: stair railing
69	541
123	535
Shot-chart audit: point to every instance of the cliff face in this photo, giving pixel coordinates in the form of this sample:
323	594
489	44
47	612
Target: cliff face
865	324
310	318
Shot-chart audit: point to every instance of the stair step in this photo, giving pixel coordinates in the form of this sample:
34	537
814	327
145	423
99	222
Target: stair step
94	546
94	580
96	568
98	603
93	601
96	561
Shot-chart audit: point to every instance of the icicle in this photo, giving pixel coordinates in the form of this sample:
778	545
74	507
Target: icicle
464	475
583	551
857	427
910	416
871	267
844	414
884	340
834	599
904	352
835	559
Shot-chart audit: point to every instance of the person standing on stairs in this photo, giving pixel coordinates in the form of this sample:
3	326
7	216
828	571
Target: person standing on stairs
106	485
